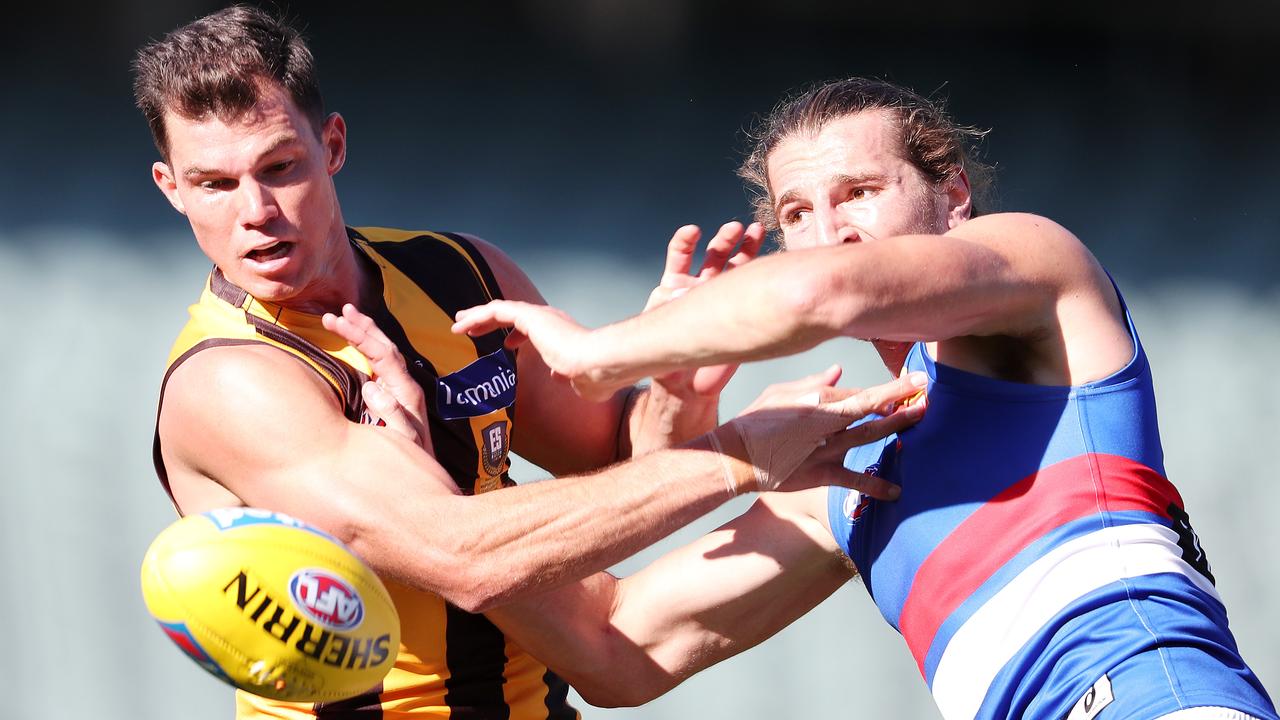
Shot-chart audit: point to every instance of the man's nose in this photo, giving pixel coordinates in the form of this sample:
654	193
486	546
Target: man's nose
836	231
257	204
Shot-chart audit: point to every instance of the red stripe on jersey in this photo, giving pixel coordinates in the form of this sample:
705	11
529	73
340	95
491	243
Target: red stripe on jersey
1015	518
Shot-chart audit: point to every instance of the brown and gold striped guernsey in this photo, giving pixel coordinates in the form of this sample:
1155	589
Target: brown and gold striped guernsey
451	663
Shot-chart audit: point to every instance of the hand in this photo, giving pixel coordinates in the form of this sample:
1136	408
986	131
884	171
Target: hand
796	434
393	396
676	280
563	343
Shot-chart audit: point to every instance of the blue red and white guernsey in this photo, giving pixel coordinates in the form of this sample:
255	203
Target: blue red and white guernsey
1039	564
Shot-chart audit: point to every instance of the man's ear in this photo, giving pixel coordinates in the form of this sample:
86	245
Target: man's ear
959	200
162	174
334	137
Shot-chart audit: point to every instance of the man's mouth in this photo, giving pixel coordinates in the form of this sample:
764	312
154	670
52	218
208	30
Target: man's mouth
273	251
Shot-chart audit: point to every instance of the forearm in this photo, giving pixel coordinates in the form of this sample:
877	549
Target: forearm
485	550
625	642
763	310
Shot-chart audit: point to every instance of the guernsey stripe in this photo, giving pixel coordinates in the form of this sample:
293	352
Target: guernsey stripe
995	633
1014	519
1010	570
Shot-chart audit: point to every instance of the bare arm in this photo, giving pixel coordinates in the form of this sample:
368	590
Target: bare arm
1017	275
261	425
625	642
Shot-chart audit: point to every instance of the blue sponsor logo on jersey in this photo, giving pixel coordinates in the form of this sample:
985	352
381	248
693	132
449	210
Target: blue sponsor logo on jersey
486	385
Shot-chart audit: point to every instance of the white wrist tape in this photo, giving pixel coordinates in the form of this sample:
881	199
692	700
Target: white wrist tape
730	482
775	449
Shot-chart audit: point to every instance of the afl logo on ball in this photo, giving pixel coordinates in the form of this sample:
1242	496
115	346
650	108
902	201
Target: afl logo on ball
327	599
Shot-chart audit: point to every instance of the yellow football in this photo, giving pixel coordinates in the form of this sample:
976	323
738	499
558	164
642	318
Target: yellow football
271	605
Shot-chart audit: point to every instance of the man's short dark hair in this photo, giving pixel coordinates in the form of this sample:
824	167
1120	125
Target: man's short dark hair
931	141
219	65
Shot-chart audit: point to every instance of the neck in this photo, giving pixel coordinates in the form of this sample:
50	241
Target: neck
893	354
348	277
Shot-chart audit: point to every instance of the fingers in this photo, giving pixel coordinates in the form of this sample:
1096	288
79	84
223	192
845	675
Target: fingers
719	255
868	432
719	248
882	399
825	378
680	253
876	487
752	241
383	406
362	333
487	318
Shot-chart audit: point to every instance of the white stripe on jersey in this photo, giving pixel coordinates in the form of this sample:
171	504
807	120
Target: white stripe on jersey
999	629
1209	713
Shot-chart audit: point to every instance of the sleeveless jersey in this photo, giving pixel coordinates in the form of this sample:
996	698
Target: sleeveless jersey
450	663
1038	562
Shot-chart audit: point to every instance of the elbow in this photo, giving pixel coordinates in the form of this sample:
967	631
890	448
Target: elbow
613	689
462	577
476	601
468	586
627	676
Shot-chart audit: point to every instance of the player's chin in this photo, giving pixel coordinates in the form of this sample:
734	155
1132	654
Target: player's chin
275	290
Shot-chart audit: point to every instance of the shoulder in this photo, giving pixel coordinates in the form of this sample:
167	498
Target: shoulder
1029	238
241	411
242	384
1040	252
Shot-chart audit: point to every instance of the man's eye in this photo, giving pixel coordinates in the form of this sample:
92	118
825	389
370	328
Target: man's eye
280	167
219	184
862	193
794	216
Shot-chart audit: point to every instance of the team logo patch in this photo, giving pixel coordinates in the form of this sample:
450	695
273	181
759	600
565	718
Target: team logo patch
327	599
486	385
494	453
856	505
1098	697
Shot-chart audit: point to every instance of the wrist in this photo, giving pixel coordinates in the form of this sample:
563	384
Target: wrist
672	417
738	472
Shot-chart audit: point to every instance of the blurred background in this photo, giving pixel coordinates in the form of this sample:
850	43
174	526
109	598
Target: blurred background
578	134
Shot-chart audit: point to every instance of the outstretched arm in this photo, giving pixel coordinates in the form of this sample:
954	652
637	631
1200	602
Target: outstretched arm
625	642
1017	275
261	425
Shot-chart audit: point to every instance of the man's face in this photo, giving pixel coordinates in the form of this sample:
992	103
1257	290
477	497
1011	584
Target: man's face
260	198
851	183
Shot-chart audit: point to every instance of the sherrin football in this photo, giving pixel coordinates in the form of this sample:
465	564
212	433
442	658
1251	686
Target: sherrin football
271	605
